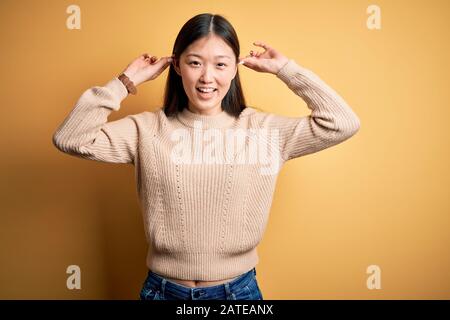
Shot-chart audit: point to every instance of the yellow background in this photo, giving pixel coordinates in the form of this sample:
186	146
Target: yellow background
380	198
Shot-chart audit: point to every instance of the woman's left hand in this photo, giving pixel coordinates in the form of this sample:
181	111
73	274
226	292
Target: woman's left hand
270	60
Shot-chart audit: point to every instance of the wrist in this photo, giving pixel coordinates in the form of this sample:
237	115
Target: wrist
132	77
281	65
128	83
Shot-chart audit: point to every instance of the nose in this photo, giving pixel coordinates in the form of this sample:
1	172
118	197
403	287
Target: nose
207	75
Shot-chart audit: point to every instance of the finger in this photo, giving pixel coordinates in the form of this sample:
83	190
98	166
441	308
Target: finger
166	62
250	62
156	60
243	60
261	44
163	61
254	54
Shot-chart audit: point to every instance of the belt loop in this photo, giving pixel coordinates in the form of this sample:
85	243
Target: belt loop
254	271
163	287
227	290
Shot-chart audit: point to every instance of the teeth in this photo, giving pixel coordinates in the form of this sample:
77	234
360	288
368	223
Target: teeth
206	90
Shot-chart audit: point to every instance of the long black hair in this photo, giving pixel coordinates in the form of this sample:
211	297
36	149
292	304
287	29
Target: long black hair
175	98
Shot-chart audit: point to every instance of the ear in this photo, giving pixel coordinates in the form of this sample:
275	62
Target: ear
235	71
176	66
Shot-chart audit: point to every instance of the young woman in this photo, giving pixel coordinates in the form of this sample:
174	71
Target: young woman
205	198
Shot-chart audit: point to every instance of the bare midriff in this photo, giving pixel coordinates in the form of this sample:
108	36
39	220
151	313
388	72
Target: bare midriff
199	283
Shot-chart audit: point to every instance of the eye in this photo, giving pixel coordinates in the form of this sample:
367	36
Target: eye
197	63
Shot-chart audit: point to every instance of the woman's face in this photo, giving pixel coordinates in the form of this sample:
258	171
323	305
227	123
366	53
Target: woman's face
207	63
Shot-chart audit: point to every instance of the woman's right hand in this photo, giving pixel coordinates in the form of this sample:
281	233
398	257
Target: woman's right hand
146	67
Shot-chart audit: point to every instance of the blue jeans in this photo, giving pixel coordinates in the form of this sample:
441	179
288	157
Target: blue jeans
244	287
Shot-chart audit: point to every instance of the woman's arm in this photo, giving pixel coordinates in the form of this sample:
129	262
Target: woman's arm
86	133
331	121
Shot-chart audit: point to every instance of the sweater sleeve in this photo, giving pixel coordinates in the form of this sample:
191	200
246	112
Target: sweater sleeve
331	121
85	132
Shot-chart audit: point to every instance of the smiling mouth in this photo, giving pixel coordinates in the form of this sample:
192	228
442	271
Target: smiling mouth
210	91
206	95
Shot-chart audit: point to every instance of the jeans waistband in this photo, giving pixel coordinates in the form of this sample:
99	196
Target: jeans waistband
166	286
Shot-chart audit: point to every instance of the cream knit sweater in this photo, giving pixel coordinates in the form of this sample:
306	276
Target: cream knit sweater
205	212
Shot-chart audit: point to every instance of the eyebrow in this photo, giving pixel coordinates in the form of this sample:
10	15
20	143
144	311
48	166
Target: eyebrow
197	55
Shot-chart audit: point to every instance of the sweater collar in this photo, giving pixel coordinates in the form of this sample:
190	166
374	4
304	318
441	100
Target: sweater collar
195	120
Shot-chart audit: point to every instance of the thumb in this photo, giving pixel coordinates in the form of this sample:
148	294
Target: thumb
168	59
249	61
161	64
164	60
243	60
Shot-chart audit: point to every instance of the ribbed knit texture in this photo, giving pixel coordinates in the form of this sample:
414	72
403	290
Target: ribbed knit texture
203	221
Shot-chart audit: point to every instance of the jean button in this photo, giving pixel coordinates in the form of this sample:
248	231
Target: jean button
196	294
